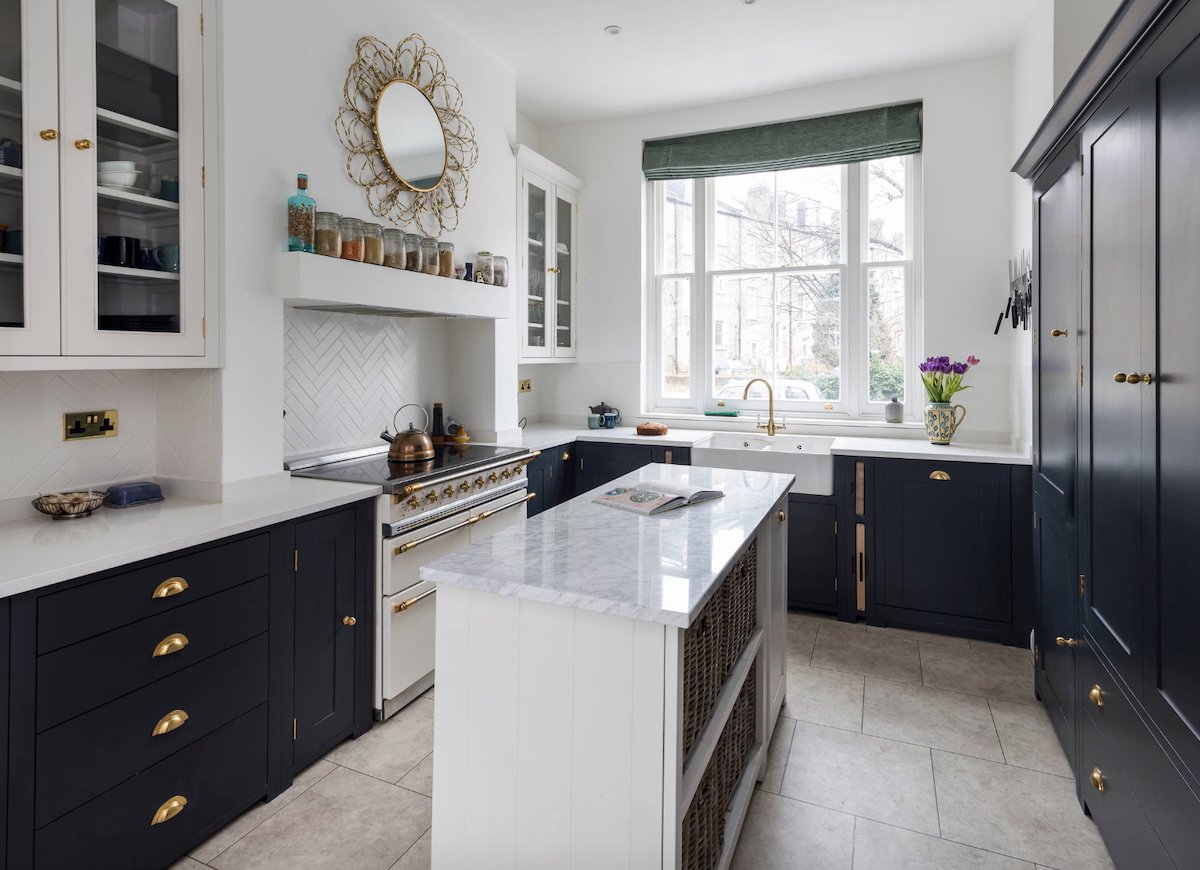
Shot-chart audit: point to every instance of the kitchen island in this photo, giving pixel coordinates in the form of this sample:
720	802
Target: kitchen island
607	683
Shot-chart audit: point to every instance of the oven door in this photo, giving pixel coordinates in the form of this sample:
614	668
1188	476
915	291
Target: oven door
501	513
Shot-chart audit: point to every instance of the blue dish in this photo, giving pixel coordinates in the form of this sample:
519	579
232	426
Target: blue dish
123	495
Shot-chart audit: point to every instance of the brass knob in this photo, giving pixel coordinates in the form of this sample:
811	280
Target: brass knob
169	810
83	144
49	134
170	586
566	456
1066	641
1096	696
1097	780
448	492
413	502
169	723
479	482
431	497
1120	377
349	620
170	645
939	475
492	478
782	516
464	487
1058	333
553	269
1135	378
506	474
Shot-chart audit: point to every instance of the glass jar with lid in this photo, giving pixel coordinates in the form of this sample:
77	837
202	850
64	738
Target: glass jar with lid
429	256
484	273
500	271
393	248
412	252
446	259
373	244
328	235
352	239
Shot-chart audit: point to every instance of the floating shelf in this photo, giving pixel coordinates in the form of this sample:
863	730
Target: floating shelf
139	204
329	284
137	274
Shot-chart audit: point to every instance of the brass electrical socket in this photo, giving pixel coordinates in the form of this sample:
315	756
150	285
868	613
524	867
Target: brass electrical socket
525	385
89	424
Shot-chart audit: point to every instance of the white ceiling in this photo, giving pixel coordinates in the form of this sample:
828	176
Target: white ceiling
675	53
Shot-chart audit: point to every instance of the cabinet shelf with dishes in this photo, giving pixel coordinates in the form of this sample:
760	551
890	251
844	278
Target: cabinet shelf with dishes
322	283
548	212
109	206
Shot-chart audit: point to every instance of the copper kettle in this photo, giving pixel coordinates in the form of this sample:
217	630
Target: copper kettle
411	445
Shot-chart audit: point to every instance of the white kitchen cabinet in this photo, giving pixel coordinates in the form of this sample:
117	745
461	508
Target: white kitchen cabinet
84	82
547	265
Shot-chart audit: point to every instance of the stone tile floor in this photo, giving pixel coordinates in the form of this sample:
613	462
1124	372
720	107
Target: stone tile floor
896	750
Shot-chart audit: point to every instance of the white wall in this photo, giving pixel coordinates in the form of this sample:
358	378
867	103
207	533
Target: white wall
1077	23
967	201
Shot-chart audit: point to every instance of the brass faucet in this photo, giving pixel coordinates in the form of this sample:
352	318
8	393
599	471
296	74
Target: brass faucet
772	427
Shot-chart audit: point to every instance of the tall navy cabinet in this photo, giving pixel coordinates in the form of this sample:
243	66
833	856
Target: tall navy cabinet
1117	424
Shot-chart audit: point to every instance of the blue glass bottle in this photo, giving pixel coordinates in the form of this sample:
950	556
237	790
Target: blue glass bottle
302	217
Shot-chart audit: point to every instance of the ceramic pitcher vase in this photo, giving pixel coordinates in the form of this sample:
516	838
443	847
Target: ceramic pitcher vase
942	421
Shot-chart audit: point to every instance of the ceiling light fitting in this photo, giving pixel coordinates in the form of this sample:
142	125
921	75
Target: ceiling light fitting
613	29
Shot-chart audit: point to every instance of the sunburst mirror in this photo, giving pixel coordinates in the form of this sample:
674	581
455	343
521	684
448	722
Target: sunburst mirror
407	141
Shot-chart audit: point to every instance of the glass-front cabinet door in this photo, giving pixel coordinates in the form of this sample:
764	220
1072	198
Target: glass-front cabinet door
131	170
29	191
536	341
564	272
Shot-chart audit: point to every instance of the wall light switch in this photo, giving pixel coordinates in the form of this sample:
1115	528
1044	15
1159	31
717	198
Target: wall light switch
89	424
525	385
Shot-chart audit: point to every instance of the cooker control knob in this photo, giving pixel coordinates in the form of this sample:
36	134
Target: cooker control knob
413	503
464	487
492	478
506	474
431	497
479	482
448	492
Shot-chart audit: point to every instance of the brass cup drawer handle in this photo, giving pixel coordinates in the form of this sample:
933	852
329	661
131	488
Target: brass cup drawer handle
169	810
170	586
169	723
939	475
1058	333
1097	780
1096	696
170	645
1066	641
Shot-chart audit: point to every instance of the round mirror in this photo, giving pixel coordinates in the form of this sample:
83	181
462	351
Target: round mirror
410	136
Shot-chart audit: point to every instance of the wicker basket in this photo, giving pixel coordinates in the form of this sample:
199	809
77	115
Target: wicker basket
715	641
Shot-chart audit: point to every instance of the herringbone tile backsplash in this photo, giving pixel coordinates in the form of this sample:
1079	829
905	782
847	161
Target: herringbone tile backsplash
345	375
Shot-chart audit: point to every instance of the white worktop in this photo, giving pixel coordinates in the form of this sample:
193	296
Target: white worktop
596	557
39	551
540	436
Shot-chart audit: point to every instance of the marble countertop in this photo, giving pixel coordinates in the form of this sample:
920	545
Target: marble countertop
595	557
539	436
39	551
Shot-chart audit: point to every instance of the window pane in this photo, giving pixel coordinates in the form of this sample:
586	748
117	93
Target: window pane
744	221
886	210
676	348
808	208
743	307
808	347
885	339
678	236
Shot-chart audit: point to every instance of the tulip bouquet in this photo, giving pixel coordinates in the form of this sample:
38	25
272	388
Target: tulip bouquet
943	378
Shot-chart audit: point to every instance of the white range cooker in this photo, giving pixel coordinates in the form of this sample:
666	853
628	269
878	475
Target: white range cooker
428	509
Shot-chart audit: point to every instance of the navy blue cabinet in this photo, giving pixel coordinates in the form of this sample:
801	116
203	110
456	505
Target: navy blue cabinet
812	576
552	477
599	463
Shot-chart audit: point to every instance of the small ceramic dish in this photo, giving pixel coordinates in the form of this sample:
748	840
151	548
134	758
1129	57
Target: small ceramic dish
118	177
116	165
70	505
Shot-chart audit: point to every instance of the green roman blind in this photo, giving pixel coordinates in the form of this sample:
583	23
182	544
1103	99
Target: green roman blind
864	135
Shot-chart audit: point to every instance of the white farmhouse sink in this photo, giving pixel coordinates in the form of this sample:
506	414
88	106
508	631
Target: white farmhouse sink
805	456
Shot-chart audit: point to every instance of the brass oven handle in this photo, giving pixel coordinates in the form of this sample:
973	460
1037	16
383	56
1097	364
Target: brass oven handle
411	545
169	810
169	723
170	586
939	475
486	514
409	602
170	645
409	489
1097	780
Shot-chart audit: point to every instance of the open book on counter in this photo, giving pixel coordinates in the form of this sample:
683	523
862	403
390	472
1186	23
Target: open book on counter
655	496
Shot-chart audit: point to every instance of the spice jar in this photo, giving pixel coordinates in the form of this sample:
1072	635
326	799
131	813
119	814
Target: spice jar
484	273
373	244
446	259
429	256
412	252
352	239
393	248
329	234
500	271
